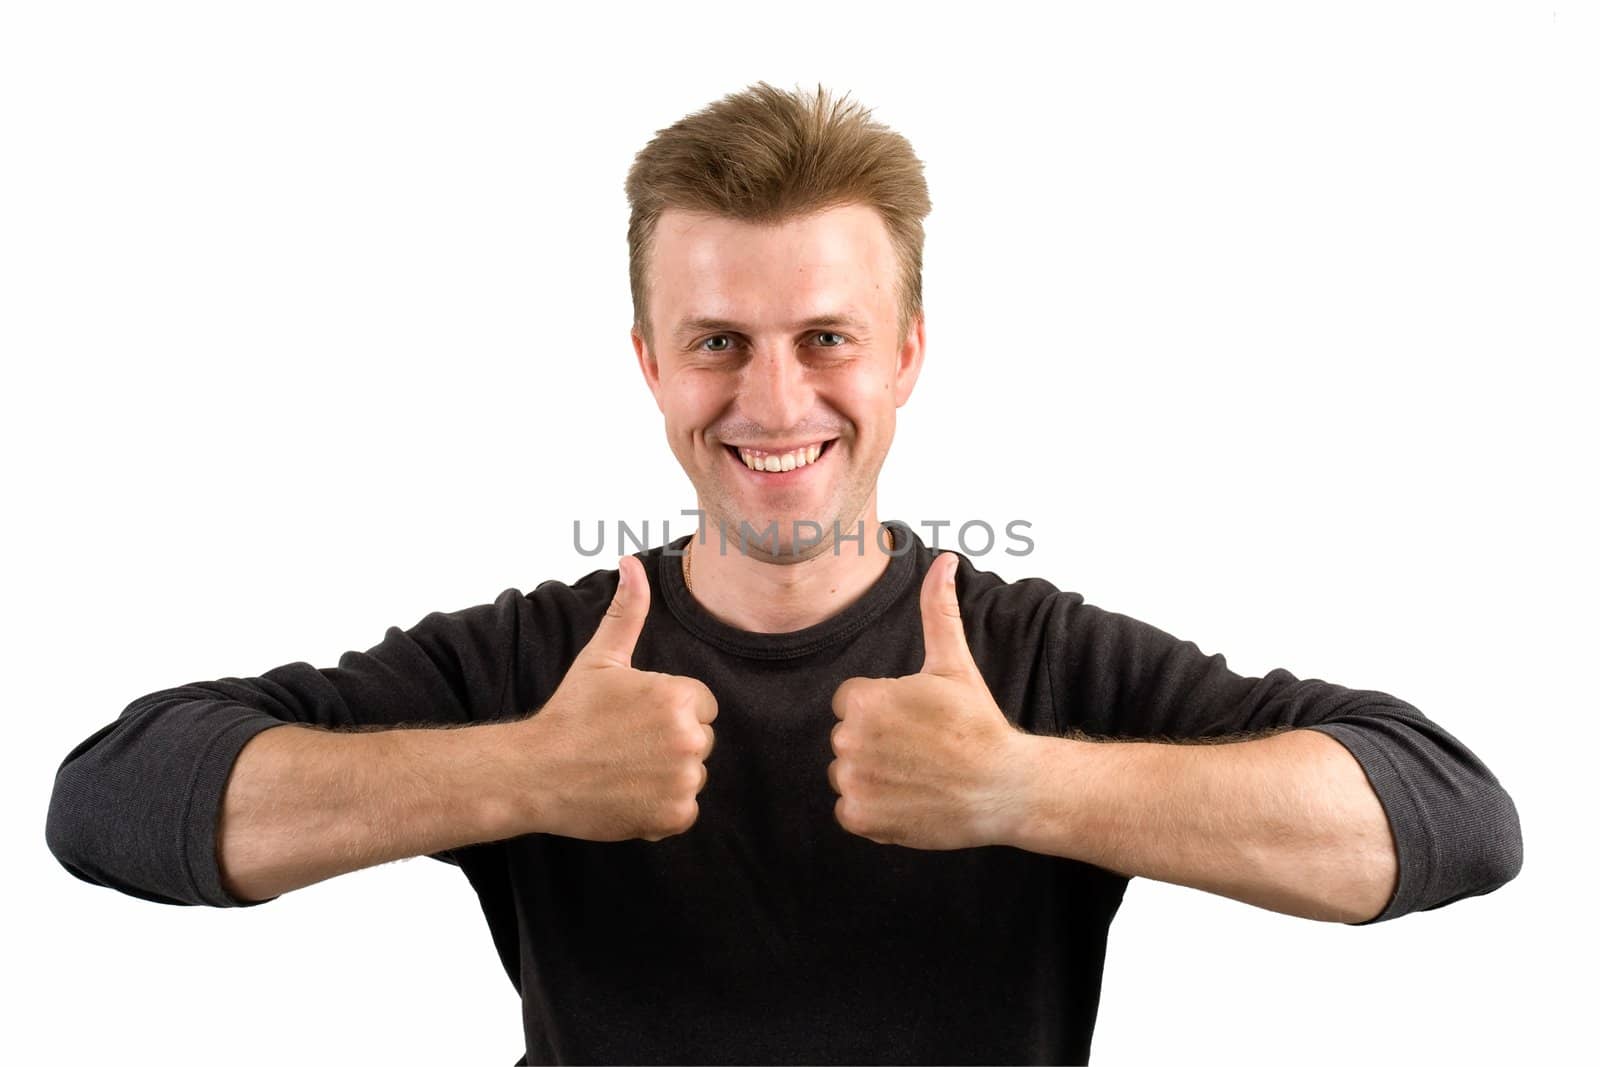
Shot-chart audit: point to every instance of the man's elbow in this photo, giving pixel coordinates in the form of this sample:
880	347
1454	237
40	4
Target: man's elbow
1499	858
63	821
1453	866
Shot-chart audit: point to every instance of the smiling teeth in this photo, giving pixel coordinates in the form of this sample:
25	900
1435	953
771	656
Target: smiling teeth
774	462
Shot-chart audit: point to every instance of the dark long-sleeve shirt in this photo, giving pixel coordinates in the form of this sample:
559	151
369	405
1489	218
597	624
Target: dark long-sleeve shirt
766	932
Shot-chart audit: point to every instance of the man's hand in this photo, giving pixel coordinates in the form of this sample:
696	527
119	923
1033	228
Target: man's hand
619	753
927	761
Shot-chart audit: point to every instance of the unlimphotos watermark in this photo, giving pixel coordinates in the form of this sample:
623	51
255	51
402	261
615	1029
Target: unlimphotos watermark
974	537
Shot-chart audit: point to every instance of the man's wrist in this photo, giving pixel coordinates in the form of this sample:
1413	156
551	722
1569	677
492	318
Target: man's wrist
511	796
1040	822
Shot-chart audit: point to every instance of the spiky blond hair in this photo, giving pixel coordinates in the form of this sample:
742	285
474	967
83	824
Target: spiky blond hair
767	155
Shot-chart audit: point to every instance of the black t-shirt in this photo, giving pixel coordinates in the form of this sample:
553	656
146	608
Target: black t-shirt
767	933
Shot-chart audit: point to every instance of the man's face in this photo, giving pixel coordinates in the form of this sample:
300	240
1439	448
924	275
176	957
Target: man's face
773	337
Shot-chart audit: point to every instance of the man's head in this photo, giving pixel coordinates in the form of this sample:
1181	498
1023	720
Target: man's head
775	256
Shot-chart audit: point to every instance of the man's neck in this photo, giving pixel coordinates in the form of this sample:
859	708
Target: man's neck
762	596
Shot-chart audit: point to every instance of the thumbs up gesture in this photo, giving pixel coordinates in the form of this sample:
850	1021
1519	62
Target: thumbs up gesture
618	753
929	760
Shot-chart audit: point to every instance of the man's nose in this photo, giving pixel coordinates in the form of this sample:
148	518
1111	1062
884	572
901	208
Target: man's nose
776	391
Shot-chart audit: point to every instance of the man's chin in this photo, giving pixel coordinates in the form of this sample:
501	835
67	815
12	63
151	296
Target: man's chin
781	538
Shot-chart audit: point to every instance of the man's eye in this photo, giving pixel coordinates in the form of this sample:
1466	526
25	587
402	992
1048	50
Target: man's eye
723	343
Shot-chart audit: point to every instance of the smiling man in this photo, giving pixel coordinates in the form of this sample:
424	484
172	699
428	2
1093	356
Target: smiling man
821	794
779	368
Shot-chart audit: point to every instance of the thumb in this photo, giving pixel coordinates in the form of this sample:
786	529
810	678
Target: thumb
612	643
944	641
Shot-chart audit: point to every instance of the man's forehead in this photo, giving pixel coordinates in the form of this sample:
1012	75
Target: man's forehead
824	270
844	240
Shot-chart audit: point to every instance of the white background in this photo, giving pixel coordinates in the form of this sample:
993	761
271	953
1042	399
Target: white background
1278	325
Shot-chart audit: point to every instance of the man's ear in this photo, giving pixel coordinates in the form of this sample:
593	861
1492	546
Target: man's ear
647	365
908	362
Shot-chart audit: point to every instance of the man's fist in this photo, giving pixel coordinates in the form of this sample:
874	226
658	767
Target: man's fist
621	752
927	761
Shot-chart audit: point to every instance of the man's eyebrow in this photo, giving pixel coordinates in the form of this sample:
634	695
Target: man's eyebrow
845	320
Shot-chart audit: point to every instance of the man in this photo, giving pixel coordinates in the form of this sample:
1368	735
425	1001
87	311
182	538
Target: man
823	794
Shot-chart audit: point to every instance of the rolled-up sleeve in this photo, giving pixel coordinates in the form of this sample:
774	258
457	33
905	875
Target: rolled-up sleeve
1456	830
136	805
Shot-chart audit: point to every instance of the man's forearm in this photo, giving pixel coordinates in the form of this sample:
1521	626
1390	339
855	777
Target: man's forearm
1287	822
305	804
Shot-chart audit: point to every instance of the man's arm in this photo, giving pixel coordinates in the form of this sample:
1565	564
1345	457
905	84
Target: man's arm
1286	822
137	806
1252	818
303	805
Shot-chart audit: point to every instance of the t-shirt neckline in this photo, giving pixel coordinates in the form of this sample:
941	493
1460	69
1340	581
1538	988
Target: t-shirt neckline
838	628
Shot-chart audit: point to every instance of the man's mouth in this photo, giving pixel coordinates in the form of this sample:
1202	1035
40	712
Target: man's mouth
776	465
